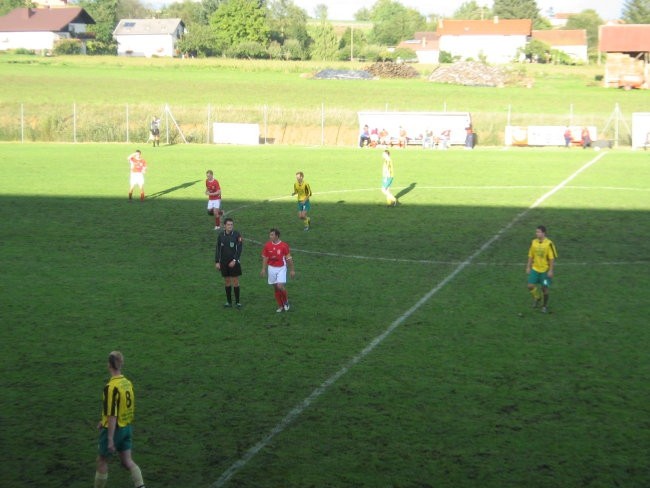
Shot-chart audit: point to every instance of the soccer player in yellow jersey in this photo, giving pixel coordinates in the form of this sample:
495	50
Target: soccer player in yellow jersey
387	179
303	191
115	435
540	267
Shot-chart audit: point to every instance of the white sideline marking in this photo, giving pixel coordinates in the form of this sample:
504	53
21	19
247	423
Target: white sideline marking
304	404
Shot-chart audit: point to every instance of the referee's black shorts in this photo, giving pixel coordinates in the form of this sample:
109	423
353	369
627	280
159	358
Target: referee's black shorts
227	271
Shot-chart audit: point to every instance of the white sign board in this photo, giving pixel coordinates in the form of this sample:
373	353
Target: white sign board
641	130
417	124
244	134
544	135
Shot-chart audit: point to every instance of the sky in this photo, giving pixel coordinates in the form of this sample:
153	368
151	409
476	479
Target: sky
345	9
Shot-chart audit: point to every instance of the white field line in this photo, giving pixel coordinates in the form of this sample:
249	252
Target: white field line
297	410
449	263
452	187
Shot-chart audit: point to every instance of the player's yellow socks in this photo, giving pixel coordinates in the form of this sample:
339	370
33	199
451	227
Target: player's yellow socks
100	479
136	476
535	293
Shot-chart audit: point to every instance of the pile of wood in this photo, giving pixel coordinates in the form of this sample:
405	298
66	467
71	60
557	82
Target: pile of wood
473	73
392	70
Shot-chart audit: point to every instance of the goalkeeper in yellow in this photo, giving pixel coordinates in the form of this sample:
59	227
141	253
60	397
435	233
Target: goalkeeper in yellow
303	191
541	262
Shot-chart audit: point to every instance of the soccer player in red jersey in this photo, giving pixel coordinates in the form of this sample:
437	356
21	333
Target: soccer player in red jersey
213	191
276	255
138	169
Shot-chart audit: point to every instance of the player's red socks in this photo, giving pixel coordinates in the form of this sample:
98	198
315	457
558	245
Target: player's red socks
142	196
279	297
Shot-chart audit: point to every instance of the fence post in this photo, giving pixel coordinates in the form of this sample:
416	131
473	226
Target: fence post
22	123
266	121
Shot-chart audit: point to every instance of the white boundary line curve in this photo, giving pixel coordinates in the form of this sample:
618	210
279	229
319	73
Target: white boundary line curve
297	410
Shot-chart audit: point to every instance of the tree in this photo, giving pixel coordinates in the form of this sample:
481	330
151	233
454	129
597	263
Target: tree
104	13
199	41
471	10
362	15
320	11
325	45
288	21
237	21
187	10
636	11
7	6
392	22
516	9
132	9
590	21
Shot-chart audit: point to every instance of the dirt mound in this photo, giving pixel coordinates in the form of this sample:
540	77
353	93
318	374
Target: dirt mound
473	73
392	70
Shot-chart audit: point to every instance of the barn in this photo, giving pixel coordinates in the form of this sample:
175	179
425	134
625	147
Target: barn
627	47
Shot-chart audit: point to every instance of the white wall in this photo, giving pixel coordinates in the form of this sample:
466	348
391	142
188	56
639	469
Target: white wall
579	53
28	40
145	45
496	49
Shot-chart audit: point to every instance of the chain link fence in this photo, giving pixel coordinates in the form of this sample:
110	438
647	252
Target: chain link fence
129	123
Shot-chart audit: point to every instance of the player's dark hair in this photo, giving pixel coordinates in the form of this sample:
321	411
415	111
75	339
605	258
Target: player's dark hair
300	173
275	231
542	228
228	219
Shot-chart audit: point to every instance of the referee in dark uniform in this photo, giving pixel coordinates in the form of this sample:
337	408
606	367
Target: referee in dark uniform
228	252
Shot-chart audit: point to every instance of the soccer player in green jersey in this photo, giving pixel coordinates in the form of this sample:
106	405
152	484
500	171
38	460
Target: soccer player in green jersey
540	267
387	179
115	435
303	191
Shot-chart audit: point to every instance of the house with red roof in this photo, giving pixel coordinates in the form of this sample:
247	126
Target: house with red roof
496	40
39	29
572	42
426	46
627	47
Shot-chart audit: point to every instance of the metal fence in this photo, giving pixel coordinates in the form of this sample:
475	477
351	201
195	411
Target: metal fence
320	125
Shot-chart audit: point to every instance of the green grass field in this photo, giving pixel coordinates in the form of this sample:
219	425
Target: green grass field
411	356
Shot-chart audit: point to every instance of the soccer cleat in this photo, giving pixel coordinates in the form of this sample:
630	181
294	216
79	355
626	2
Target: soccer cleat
238	305
306	228
227	305
216	227
544	310
286	307
537	302
279	310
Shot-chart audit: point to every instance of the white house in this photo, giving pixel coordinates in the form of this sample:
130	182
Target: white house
148	37
39	28
425	45
571	42
496	40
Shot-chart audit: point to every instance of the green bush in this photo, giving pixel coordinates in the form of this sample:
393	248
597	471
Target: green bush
66	47
22	50
248	50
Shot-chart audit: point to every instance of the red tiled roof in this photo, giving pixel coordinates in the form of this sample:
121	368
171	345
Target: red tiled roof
562	37
624	38
494	27
43	19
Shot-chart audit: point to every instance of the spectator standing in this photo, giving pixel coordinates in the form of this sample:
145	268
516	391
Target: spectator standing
567	137
585	138
364	136
154	128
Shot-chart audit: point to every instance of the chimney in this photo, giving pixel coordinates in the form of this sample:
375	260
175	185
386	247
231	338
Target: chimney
424	41
496	19
440	23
